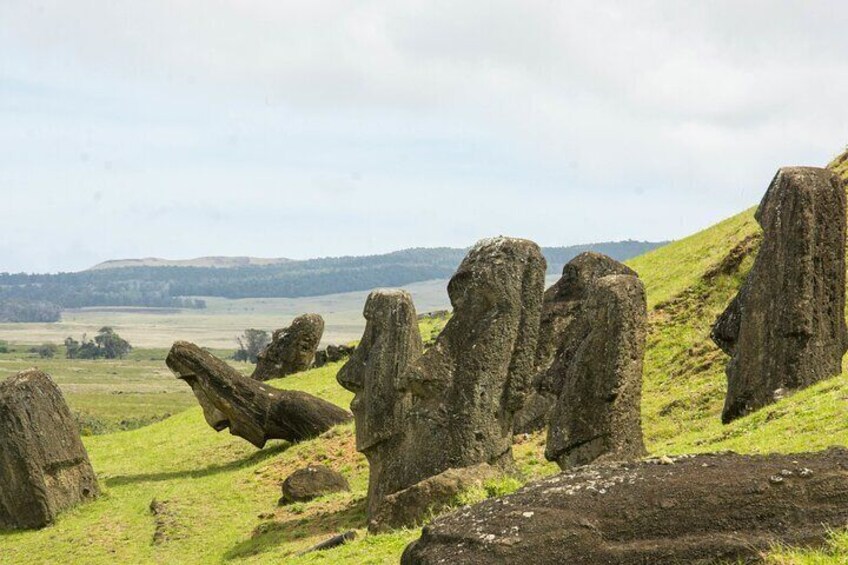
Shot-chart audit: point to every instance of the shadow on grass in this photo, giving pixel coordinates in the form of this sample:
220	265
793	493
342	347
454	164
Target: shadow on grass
252	459
267	536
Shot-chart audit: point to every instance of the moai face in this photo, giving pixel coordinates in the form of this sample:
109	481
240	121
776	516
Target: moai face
375	370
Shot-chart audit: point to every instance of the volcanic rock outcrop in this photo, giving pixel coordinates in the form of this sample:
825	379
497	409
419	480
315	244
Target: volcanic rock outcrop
453	406
597	377
251	410
562	308
291	350
698	509
44	467
785	329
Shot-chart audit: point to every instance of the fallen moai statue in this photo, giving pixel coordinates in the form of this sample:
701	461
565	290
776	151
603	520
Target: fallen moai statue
44	467
785	329
697	509
251	410
452	407
291	350
560	331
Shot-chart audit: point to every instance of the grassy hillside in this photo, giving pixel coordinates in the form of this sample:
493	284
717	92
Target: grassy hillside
219	493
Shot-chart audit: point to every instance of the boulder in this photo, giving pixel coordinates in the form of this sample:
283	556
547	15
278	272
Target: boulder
44	468
332	354
562	308
452	407
785	330
291	350
311	482
598	374
695	509
409	507
251	410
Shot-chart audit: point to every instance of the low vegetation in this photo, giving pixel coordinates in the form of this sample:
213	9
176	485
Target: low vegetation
107	344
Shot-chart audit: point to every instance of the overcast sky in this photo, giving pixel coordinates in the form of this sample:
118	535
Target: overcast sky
176	128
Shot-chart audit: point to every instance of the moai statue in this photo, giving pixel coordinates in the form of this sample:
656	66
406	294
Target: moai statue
44	468
453	406
291	350
251	410
785	330
562	307
375	373
596	375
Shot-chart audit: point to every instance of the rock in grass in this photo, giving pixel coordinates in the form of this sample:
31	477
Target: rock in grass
311	482
332	354
332	542
411	506
291	350
251	410
702	509
785	330
44	467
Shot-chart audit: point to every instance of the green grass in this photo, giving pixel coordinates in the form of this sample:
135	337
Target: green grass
221	493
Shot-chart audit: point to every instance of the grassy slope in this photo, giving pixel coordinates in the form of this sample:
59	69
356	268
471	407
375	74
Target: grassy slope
220	492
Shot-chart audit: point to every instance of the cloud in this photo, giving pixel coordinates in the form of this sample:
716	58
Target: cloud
368	126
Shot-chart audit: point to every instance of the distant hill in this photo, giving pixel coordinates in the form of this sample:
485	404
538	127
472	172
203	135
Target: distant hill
218	262
164	284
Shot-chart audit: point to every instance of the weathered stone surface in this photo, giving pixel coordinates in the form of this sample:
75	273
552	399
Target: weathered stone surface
785	329
291	350
599	376
468	386
44	467
390	343
702	509
251	410
332	354
419	415
311	482
412	505
559	331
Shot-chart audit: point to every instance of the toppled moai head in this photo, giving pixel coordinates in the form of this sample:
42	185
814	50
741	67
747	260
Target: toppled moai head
374	372
252	410
197	367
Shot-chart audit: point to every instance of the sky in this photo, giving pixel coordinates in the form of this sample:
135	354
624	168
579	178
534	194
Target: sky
176	129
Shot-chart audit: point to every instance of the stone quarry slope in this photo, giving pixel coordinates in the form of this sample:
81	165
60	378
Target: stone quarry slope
216	494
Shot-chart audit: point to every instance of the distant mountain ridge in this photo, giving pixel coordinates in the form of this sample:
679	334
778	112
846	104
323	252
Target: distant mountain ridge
619	250
217	261
168	285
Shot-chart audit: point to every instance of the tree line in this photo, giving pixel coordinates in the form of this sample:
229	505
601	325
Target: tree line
175	286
